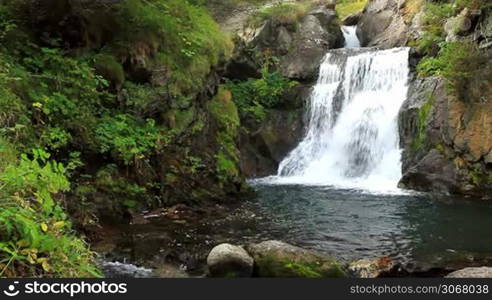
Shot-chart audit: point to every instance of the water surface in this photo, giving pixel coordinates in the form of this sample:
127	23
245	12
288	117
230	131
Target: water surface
353	224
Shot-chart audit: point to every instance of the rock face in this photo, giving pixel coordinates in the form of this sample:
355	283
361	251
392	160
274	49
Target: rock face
317	33
389	23
446	141
265	145
226	260
482	272
299	47
279	259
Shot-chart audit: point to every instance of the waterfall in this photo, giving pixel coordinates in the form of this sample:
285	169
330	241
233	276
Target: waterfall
352	136
351	40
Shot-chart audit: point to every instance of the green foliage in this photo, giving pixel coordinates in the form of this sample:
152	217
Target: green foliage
126	138
346	8
424	113
456	62
225	113
183	39
289	13
108	67
35	236
255	96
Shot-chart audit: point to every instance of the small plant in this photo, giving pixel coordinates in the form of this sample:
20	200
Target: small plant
126	138
255	96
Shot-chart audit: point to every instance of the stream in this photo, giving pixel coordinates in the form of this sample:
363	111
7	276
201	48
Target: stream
336	192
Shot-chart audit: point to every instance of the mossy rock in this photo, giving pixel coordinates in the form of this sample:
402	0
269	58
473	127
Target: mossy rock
279	259
108	67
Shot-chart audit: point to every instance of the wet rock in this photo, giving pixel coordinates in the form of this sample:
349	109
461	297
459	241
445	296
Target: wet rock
352	20
279	259
481	272
371	269
266	144
226	260
433	173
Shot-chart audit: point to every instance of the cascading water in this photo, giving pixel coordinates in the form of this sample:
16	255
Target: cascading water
351	40
352	136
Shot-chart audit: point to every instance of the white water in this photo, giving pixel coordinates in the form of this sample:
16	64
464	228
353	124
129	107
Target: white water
351	40
352	134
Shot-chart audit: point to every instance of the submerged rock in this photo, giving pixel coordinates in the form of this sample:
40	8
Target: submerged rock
279	259
481	272
371	269
226	260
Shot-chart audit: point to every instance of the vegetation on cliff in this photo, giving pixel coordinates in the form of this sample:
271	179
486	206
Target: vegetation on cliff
103	109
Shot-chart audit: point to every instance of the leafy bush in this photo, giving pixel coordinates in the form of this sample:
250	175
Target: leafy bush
35	235
255	96
456	62
126	138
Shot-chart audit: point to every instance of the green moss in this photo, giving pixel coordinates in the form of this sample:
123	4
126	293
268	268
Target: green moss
284	13
108	67
346	8
281	268
423	114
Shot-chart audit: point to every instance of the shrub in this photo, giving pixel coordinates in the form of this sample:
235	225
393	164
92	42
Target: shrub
456	62
35	236
255	96
126	138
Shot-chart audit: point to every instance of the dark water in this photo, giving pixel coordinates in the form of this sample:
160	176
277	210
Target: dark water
352	224
418	231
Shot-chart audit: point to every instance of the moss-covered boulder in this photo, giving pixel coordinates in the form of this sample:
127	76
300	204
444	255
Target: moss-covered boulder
279	259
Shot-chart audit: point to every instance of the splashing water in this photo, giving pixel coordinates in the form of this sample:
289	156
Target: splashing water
352	135
351	40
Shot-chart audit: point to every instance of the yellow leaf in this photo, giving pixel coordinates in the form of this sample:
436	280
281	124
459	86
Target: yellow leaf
46	266
44	227
42	259
59	224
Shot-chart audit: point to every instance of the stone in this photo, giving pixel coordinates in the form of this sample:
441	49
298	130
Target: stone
352	20
390	23
371	269
279	259
226	260
317	33
480	272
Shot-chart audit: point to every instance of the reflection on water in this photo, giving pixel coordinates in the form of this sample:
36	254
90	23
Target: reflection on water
352	224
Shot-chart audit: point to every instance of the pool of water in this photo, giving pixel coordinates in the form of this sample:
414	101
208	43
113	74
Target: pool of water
353	224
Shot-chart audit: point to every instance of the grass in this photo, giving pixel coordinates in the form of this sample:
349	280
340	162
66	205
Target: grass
346	8
283	13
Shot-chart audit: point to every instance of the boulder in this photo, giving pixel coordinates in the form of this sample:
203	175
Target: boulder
317	33
433	173
389	23
226	260
481	272
279	259
371	269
